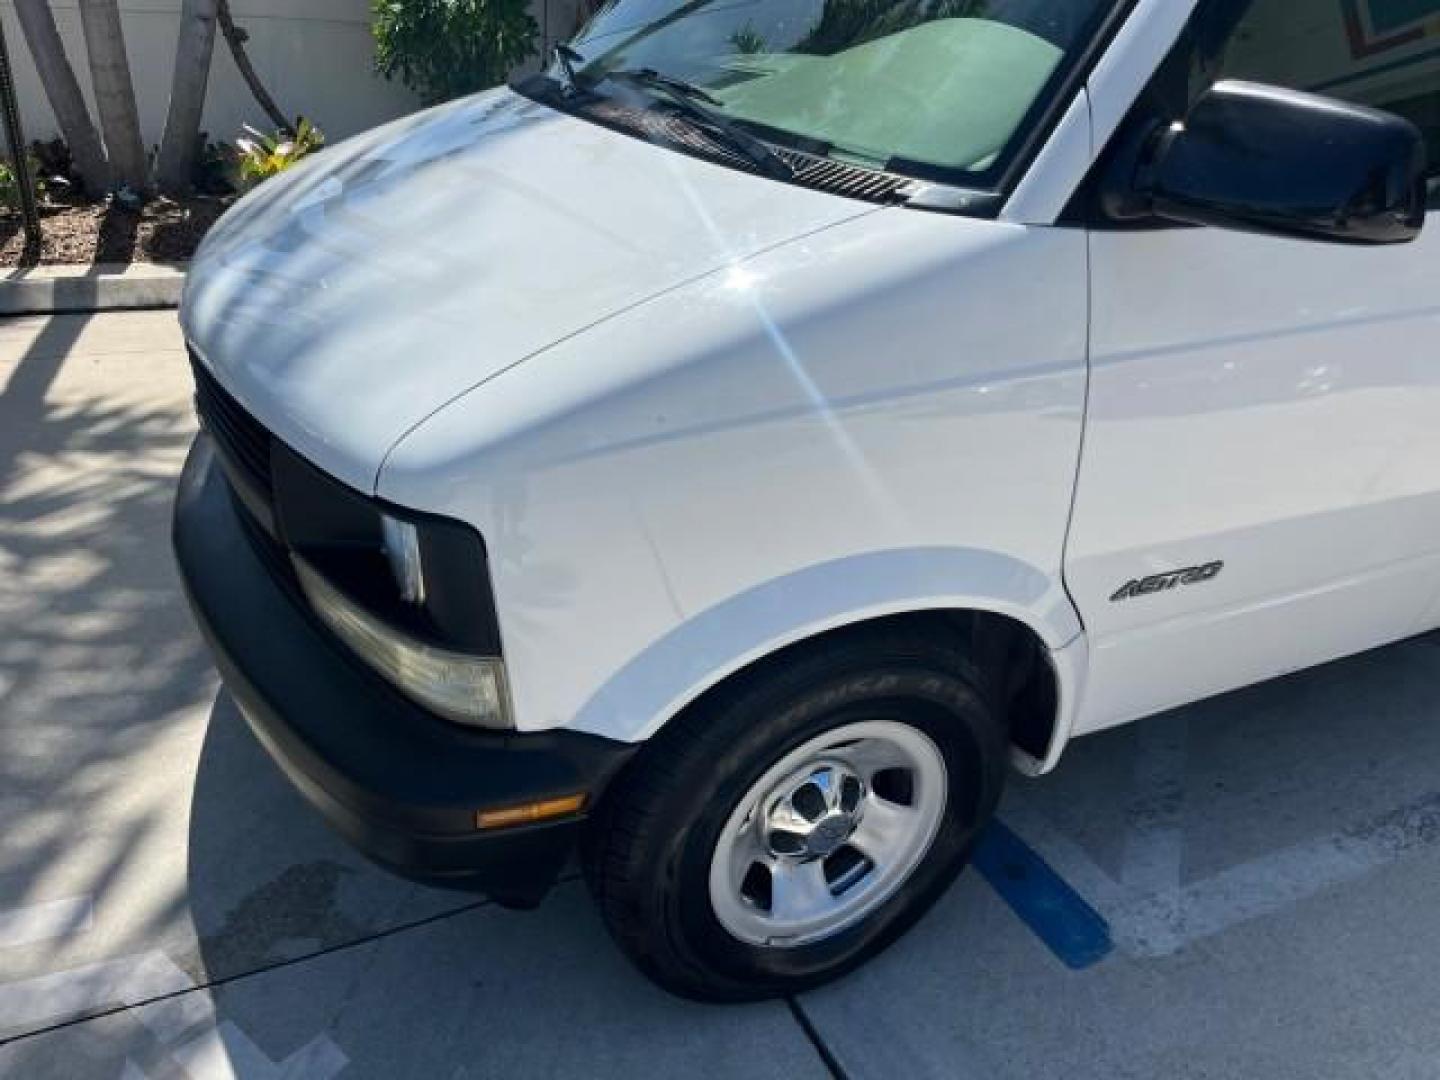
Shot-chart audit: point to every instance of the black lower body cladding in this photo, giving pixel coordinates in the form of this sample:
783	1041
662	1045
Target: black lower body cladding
399	783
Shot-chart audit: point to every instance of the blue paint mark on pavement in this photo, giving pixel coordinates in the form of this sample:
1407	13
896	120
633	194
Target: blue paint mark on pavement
1058	915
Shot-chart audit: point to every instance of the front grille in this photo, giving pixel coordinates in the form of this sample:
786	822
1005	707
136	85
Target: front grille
243	446
242	442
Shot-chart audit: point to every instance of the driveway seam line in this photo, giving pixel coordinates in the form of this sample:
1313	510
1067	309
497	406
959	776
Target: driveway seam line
826	1055
266	969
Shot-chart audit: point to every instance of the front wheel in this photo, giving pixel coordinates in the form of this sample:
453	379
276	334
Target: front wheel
796	823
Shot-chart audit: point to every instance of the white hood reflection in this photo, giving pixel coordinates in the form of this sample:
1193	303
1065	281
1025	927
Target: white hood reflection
349	300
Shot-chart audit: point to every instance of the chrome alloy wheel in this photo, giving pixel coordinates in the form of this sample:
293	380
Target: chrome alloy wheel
828	834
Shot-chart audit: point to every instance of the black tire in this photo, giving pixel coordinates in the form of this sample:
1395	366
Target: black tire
647	853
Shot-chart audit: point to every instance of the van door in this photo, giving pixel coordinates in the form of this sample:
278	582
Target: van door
1264	413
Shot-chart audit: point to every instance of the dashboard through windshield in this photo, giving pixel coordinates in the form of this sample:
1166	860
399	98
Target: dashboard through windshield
936	89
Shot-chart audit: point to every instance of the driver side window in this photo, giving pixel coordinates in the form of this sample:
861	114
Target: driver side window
1380	53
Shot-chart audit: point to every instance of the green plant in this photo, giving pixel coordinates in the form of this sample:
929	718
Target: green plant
444	49
215	167
55	162
747	41
263	156
10	183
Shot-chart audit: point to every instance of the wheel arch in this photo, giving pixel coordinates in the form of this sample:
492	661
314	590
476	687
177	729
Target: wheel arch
1031	684
1026	626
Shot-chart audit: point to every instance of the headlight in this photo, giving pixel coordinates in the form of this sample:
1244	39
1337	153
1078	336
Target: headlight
466	689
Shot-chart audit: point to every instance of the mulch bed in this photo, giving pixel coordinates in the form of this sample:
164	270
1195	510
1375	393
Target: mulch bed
163	231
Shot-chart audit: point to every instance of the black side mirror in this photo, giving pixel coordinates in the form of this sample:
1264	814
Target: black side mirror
1270	160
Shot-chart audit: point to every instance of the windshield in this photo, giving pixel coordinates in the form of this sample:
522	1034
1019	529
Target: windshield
941	89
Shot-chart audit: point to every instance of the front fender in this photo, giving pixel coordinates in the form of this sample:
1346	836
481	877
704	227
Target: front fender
704	650
866	421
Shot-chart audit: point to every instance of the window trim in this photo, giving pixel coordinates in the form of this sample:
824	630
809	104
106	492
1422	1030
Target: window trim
1048	112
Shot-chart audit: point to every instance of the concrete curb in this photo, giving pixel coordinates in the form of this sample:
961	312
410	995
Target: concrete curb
48	290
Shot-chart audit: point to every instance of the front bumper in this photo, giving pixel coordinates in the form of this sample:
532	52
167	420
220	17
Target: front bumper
402	785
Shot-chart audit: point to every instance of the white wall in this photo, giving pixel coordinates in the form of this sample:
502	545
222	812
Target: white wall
315	56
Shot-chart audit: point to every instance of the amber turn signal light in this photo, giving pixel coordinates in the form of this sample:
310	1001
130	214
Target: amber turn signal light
529	813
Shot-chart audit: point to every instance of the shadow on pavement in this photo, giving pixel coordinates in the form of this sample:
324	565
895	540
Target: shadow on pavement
1268	863
1146	820
396	979
267	880
97	662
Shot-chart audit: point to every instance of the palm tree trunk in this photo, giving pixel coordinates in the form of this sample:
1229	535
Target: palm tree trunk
115	93
236	38
63	91
193	53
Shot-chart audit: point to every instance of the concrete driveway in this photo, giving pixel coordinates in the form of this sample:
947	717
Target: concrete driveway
1246	888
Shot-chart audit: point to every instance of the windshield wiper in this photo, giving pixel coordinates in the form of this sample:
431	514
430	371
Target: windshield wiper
567	57
698	104
654	80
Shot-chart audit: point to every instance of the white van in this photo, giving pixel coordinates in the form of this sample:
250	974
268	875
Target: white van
727	452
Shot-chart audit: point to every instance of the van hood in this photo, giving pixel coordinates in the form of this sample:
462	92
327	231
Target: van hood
349	300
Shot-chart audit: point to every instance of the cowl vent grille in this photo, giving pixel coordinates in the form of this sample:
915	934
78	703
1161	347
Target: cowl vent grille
811	170
842	178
